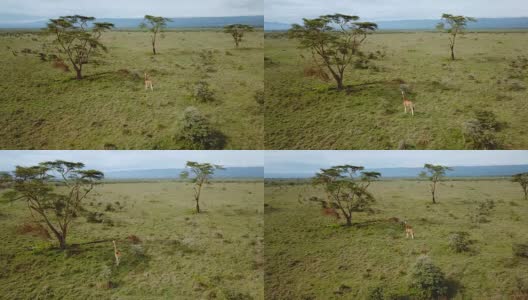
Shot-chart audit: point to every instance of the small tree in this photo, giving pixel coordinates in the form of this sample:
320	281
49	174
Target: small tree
77	40
156	26
237	31
201	173
453	25
36	186
434	173
344	190
522	179
333	40
5	179
427	280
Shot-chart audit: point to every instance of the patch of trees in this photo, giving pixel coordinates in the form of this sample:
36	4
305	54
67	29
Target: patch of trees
54	192
333	40
78	38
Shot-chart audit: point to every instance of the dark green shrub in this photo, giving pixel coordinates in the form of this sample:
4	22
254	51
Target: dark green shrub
259	97
202	92
197	130
377	293
427	280
520	250
459	241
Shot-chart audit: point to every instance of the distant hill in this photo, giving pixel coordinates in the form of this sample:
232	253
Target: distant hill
30	22
460	171
157	174
482	23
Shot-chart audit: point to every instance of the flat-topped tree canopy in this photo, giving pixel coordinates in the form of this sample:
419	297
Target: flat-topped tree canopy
237	31
75	38
334	41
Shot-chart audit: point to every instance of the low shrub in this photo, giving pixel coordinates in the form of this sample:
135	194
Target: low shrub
427	280
202	92
520	250
259	97
459	241
197	130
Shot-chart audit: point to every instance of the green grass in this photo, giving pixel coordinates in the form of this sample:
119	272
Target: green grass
309	256
44	108
218	253
307	113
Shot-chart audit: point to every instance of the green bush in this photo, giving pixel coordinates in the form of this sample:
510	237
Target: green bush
427	280
197	130
202	92
520	250
459	241
259	97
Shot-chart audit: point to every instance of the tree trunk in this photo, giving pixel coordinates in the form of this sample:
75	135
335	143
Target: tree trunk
79	73
62	242
348	220
197	206
154	48
452	53
339	81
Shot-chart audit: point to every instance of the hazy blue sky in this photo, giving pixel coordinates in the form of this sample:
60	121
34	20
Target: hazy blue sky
121	160
132	8
311	161
292	11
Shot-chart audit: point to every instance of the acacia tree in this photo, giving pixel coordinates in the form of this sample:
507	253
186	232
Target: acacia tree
333	40
522	179
345	190
156	26
5	179
454	25
434	173
237	31
200	173
77	40
53	192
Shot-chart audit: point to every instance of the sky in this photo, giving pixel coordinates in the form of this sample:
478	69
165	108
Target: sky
132	160
311	161
132	8
292	11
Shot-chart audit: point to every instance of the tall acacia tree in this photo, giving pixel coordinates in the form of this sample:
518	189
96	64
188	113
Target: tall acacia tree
345	190
522	179
200	174
435	174
156	25
78	37
454	25
334	41
237	31
54	192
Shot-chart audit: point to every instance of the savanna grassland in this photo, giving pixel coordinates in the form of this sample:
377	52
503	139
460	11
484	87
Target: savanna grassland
46	108
311	256
168	252
304	112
